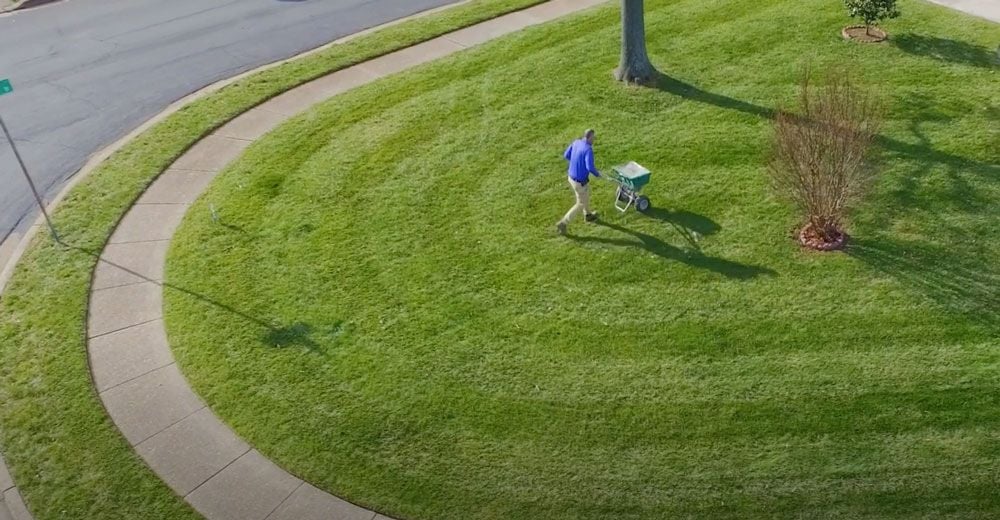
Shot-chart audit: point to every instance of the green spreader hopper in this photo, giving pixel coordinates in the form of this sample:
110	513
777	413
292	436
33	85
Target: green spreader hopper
631	178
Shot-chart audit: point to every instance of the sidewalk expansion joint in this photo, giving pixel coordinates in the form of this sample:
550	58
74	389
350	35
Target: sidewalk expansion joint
101	335
171	425
223	468
146	373
127	284
277	507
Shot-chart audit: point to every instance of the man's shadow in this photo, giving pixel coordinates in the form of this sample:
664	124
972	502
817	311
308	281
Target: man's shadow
690	226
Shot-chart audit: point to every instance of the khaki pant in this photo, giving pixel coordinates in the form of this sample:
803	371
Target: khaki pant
582	192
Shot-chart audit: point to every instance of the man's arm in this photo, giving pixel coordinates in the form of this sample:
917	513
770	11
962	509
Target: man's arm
590	163
568	153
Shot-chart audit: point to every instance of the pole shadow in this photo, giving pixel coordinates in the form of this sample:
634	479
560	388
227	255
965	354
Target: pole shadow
275	334
296	334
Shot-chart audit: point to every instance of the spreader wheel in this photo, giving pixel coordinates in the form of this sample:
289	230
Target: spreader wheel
642	204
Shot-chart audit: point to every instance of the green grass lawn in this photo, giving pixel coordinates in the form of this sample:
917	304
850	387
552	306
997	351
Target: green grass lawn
67	458
385	309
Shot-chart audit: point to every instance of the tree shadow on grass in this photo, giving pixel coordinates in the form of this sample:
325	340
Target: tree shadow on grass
958	279
685	90
943	184
921	150
944	49
961	284
947	260
693	258
994	113
958	192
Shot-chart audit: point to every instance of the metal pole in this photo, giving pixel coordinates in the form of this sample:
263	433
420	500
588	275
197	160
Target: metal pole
34	190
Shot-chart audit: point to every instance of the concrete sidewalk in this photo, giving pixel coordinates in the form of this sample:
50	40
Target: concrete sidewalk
134	371
988	9
11	505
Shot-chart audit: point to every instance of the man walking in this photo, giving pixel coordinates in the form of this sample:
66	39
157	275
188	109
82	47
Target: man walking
580	155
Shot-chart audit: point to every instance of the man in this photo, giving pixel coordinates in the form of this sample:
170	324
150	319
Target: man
580	155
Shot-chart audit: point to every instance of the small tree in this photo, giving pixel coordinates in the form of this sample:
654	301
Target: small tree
634	66
821	157
872	12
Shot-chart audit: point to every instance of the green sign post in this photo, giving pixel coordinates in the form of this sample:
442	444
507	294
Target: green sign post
7	88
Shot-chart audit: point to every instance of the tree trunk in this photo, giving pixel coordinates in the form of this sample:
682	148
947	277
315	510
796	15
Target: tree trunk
634	66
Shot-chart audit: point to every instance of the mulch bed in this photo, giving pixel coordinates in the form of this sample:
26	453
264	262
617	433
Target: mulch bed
808	237
860	33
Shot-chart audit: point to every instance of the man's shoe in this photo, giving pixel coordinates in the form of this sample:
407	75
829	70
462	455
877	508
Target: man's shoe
591	217
561	228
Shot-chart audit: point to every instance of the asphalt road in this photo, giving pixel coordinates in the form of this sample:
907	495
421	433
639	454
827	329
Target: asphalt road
86	72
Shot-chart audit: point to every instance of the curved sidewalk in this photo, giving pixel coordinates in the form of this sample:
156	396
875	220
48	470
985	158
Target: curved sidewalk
145	394
988	9
11	505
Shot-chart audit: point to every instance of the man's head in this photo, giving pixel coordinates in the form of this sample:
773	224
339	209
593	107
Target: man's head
589	136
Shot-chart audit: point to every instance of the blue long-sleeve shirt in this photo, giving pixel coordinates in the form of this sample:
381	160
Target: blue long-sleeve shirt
581	161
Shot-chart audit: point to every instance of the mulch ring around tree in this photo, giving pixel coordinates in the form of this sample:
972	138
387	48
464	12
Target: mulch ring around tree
864	34
810	238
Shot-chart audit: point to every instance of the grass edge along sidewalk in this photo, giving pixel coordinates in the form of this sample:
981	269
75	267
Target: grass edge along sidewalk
66	456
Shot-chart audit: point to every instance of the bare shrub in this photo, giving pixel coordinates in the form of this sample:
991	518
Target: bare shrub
821	157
